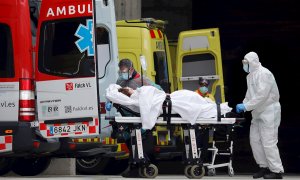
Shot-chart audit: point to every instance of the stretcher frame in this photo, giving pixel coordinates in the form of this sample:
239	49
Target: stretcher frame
194	166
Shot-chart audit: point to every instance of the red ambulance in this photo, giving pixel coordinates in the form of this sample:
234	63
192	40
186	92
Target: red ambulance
48	83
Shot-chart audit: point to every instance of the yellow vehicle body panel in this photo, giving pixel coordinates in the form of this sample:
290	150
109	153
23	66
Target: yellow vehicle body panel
136	38
203	44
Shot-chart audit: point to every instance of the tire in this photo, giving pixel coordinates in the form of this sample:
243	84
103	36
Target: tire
151	171
5	165
30	166
100	165
197	172
91	165
187	171
141	172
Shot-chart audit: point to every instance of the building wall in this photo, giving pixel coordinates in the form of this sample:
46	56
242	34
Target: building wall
128	9
177	12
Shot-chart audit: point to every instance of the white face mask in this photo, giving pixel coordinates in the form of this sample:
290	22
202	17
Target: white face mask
203	89
246	68
124	75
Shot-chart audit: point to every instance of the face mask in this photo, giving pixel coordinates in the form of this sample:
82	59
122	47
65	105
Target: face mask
246	68
203	89
124	75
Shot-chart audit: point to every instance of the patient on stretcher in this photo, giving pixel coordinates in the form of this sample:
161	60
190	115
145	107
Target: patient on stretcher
148	101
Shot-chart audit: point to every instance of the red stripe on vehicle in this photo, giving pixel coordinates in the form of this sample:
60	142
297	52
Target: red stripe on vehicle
27	103
152	34
159	33
87	123
92	129
2	146
8	139
43	126
26	84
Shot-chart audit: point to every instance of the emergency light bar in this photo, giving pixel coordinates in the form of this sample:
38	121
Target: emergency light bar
151	22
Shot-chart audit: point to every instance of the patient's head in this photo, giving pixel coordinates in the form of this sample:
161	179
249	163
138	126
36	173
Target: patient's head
126	90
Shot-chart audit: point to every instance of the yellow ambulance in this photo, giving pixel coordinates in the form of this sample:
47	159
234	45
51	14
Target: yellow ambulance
175	65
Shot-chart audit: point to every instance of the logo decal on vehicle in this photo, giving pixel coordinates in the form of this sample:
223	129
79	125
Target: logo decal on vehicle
78	86
69	86
6	104
85	35
50	111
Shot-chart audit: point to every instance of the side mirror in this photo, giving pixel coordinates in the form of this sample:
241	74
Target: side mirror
143	62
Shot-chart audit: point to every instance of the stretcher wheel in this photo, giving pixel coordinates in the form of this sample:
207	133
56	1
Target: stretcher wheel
197	171
150	171
187	171
211	172
230	172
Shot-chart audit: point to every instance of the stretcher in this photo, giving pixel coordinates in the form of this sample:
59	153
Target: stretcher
194	166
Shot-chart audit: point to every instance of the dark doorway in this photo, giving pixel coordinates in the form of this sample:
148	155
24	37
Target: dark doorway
272	29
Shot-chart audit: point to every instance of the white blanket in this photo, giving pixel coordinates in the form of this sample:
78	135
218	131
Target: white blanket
148	101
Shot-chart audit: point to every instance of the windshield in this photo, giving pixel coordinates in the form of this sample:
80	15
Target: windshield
161	68
64	48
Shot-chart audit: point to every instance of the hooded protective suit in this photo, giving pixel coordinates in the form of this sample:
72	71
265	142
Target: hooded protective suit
262	98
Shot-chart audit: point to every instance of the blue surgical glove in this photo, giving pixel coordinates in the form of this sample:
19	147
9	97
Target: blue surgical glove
108	106
240	108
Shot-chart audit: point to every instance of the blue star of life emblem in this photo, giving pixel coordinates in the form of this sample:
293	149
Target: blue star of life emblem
85	35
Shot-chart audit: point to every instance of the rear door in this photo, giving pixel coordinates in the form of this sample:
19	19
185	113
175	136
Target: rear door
107	56
199	55
67	97
15	61
9	85
16	72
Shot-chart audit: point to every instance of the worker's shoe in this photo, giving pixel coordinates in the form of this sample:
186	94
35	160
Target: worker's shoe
273	175
261	173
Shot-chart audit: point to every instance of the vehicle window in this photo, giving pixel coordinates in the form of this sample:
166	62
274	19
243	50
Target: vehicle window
197	65
64	49
102	36
161	68
103	50
6	52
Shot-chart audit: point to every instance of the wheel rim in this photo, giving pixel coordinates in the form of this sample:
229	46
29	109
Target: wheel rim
151	171
197	171
88	162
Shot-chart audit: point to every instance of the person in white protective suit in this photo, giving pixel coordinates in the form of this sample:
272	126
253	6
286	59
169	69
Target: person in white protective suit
262	98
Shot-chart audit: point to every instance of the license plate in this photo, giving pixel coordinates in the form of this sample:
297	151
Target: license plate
68	129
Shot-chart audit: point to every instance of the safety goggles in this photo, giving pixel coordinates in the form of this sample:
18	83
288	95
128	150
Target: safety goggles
203	84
